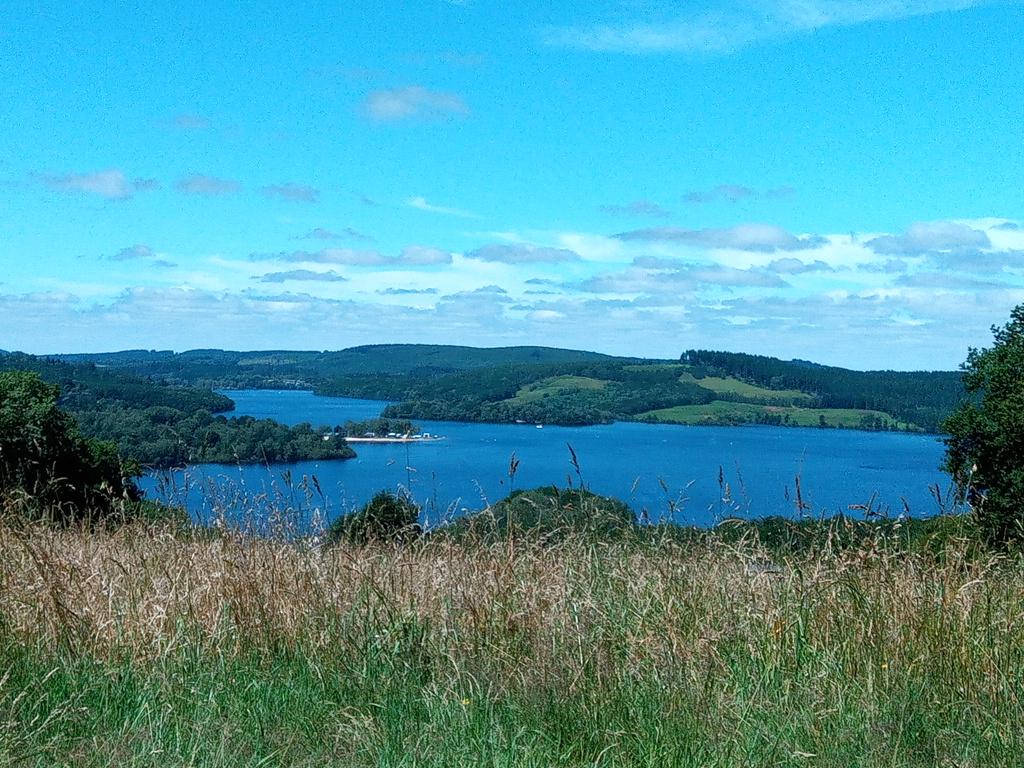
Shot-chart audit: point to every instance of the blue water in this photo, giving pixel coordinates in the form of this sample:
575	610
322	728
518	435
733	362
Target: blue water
692	474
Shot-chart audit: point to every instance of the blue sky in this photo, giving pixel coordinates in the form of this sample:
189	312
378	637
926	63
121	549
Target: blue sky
832	180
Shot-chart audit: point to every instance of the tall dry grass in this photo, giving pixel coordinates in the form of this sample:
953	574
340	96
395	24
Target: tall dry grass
518	652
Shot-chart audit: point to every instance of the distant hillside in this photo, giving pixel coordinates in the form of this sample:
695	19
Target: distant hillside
921	398
559	386
713	388
288	369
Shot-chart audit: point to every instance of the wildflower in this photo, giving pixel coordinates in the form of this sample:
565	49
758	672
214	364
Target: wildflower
885	666
465	702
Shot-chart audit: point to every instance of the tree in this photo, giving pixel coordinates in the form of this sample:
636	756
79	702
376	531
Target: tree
985	443
386	517
46	464
551	513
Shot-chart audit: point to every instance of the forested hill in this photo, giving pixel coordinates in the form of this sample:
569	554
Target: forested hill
918	397
713	391
557	386
289	369
85	386
161	424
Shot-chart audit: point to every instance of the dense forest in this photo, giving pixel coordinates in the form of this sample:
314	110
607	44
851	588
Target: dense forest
923	398
160	424
553	386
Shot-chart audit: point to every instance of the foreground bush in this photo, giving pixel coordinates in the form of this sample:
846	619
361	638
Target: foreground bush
143	648
386	517
549	513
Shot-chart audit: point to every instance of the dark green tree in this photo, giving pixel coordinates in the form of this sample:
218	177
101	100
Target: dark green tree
46	466
550	513
386	517
985	443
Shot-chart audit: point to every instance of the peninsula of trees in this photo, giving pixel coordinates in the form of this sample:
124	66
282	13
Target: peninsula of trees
159	424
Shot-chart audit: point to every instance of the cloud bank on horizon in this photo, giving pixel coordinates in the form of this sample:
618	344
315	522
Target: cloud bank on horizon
742	185
905	299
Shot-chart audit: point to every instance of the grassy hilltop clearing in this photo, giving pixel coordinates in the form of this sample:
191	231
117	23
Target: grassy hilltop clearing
544	385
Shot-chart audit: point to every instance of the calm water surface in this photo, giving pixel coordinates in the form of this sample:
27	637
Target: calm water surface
692	474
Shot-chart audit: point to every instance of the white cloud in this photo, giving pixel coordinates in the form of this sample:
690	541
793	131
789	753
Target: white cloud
945	281
792	266
523	254
208	186
725	26
407	291
325	234
637	208
736	192
294	192
411	255
301	275
926	236
142	252
594	247
137	251
349	256
111	184
413	102
545	315
743	237
421	204
730	276
650	276
733	192
423	255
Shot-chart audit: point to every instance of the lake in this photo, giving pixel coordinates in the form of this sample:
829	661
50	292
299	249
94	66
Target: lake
694	475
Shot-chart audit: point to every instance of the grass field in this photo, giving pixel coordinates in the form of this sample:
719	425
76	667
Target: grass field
148	647
722	412
562	384
556	385
743	389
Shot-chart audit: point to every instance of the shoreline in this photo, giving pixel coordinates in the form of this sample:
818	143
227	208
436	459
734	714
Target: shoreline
393	439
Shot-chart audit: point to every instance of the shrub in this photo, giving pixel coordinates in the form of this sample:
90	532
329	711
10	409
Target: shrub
386	517
550	512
